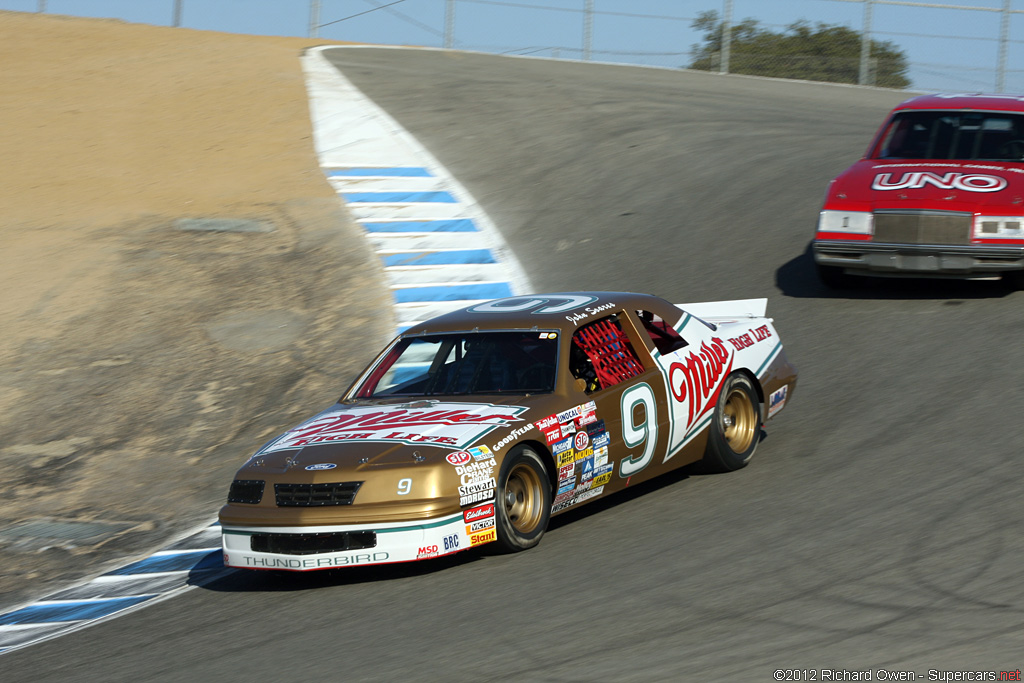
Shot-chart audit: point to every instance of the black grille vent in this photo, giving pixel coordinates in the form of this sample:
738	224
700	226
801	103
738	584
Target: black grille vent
246	491
311	544
315	495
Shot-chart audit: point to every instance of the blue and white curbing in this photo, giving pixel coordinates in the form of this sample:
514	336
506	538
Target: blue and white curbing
438	248
439	251
178	567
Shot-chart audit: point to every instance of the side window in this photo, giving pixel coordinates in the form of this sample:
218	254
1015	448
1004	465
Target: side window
665	339
602	355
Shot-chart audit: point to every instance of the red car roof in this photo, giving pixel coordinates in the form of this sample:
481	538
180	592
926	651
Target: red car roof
977	101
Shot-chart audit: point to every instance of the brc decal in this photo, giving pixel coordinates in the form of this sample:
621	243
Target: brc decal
968	182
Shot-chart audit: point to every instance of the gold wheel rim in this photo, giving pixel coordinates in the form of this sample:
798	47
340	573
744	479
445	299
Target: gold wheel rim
523	498
739	421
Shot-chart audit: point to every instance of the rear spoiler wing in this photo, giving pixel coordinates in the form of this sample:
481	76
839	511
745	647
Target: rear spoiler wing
729	310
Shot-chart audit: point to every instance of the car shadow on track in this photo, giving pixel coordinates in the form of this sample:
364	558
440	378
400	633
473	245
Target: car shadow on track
798	278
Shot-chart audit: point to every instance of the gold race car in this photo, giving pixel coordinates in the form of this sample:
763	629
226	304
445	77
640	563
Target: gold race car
479	425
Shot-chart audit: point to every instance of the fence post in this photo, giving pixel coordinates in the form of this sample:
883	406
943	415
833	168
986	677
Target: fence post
723	66
1004	35
176	20
864	77
314	18
449	24
588	28
41	7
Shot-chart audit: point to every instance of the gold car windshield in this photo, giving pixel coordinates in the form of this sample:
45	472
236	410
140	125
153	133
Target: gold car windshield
464	364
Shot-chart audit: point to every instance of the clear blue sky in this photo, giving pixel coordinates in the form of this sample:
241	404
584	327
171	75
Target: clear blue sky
948	49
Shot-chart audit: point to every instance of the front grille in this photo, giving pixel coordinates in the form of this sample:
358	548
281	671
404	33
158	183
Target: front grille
246	491
315	495
311	544
923	227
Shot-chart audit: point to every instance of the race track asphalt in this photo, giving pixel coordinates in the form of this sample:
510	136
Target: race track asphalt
878	527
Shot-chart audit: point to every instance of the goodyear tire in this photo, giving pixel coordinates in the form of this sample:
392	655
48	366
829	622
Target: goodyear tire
735	426
522	500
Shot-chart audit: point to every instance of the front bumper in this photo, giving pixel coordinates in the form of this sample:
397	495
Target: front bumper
937	260
292	548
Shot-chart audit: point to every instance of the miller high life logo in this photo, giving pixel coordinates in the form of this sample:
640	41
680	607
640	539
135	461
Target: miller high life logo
451	425
696	379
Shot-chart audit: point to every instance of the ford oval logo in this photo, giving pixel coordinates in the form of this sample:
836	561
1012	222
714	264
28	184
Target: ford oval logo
322	466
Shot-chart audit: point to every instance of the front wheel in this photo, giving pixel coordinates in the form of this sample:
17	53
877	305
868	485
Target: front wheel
523	505
735	426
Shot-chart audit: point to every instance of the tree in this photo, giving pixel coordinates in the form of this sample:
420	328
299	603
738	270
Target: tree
819	53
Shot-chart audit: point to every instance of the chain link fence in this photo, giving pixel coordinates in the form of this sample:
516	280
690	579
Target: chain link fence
957	45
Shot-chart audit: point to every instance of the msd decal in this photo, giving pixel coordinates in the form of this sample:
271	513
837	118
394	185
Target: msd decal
968	182
451	425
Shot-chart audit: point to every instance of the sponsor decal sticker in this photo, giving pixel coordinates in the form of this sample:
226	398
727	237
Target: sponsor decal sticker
478	513
513	435
553	435
567	471
471	498
482	537
547	422
777	400
967	182
569	415
458	458
424	423
581	441
696	379
321	466
479	525
480	452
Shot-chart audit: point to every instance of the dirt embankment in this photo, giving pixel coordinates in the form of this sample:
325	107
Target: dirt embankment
142	355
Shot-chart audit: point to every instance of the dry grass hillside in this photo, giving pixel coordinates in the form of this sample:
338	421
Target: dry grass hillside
140	362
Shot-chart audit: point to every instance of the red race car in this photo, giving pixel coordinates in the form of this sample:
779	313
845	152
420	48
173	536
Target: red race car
938	194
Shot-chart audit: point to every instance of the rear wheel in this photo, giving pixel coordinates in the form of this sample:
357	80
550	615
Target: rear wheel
523	505
735	426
